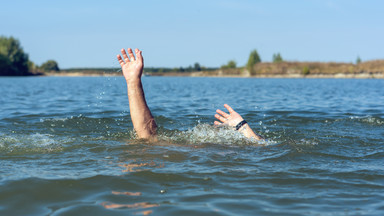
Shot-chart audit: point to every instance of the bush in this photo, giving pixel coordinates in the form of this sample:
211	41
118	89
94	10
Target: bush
306	71
13	60
197	67
50	65
358	60
230	64
276	58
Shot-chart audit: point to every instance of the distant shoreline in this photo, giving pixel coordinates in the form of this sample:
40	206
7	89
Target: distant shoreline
364	70
202	74
80	74
310	76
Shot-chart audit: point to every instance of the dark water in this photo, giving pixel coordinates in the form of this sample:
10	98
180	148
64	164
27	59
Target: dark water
67	148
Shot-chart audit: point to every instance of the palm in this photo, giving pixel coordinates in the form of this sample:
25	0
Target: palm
133	66
231	119
132	69
234	119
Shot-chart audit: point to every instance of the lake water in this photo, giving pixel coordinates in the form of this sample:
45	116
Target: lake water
67	147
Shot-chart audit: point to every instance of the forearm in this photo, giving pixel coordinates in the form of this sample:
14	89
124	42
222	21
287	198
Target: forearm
142	119
247	131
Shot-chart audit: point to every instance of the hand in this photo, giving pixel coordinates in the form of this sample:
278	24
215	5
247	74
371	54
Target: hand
132	67
234	118
231	119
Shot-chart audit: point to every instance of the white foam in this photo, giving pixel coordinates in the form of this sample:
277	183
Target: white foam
19	143
59	119
205	133
368	119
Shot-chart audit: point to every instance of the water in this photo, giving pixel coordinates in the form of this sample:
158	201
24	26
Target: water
67	147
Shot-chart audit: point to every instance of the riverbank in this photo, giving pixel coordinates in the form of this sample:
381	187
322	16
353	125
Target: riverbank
368	69
365	70
220	74
79	74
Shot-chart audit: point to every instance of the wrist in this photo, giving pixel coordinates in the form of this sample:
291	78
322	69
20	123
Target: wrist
240	125
133	82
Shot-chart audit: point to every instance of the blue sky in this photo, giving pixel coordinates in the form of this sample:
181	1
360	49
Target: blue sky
175	33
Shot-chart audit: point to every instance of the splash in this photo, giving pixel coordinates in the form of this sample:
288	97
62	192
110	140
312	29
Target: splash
33	143
205	133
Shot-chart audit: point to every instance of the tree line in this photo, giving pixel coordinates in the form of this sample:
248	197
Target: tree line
196	67
15	62
253	59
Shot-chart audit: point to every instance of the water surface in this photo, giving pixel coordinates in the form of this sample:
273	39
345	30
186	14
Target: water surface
67	147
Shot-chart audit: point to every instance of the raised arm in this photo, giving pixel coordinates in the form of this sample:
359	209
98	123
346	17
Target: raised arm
142	119
233	119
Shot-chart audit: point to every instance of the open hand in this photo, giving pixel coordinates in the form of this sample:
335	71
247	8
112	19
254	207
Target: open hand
231	119
132	67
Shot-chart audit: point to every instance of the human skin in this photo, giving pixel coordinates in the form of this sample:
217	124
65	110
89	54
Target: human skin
232	119
142	119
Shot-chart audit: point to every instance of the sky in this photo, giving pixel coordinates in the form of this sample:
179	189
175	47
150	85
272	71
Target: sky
178	33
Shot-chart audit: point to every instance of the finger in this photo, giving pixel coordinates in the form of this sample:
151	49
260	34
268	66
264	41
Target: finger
139	55
221	118
230	110
124	55
121	62
131	56
216	123
222	113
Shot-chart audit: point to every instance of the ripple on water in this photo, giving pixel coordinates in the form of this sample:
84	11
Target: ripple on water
64	155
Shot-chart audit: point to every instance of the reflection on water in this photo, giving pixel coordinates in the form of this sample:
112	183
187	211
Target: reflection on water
138	206
127	193
142	205
137	167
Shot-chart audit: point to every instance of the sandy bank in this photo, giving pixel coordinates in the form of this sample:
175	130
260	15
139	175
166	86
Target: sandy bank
203	74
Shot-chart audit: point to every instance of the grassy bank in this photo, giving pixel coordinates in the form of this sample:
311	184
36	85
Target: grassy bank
368	69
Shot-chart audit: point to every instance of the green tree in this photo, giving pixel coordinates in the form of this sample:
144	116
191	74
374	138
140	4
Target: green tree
197	67
50	65
6	67
230	64
189	68
32	67
358	60
253	59
13	60
276	58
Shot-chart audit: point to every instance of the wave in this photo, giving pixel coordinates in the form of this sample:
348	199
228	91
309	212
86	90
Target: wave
32	143
375	121
49	134
191	131
205	133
